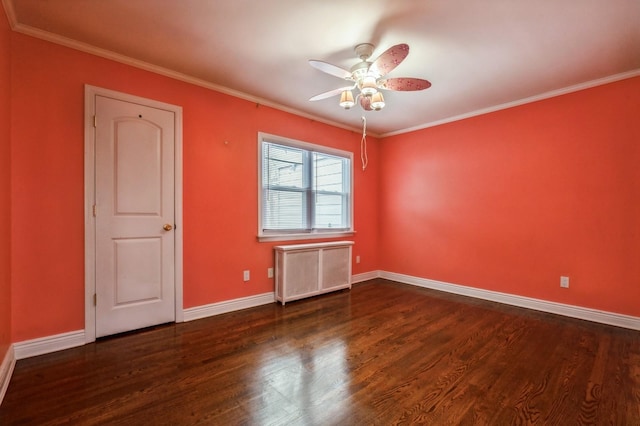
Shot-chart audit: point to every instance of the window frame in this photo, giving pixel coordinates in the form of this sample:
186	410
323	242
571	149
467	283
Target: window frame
310	148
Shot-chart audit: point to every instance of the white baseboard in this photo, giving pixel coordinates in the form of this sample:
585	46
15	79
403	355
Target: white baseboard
72	339
365	276
45	345
6	370
212	309
588	314
58	342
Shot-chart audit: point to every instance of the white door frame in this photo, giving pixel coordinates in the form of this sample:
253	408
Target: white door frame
90	92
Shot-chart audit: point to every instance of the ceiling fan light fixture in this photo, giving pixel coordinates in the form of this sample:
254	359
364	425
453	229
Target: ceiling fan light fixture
368	77
377	101
346	99
368	85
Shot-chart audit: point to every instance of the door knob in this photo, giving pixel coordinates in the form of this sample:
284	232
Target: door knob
167	227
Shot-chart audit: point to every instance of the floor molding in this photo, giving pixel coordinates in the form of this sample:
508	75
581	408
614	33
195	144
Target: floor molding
72	339
45	345
6	370
212	309
588	314
365	276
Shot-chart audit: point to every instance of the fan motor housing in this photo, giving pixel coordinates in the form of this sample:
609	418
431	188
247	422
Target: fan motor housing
360	69
364	50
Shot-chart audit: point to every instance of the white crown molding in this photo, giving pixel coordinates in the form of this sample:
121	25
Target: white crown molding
45	345
87	48
10	12
212	309
531	99
587	314
116	57
6	370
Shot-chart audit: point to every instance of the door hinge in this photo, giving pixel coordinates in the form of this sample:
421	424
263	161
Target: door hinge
94	210
95	299
95	121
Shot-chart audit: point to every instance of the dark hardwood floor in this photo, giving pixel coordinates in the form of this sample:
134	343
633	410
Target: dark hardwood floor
383	353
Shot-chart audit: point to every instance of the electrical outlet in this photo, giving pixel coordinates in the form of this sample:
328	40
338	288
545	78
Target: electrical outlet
564	282
246	275
357	259
270	273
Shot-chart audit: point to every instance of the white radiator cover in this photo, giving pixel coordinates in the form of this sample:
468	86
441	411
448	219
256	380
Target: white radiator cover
305	270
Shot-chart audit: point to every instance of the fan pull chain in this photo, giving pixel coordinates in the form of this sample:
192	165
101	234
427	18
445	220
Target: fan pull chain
363	145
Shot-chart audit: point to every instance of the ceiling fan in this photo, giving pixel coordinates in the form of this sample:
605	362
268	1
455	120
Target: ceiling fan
367	77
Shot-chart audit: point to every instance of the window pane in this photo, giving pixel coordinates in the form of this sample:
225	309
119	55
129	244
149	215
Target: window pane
328	173
283	166
331	185
284	209
304	190
330	211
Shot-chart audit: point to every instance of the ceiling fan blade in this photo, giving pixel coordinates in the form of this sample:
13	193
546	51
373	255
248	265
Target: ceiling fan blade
330	93
390	59
330	69
365	103
404	84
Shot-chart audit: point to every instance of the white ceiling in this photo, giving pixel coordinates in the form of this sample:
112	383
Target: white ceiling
479	55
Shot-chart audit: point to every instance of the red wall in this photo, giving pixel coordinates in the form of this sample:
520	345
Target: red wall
512	200
507	201
5	185
220	184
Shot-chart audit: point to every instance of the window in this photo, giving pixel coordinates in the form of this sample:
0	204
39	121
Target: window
305	190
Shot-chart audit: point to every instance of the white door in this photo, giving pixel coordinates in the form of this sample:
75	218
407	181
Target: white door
134	216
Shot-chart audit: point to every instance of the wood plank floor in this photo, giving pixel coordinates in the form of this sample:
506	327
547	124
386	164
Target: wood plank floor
383	353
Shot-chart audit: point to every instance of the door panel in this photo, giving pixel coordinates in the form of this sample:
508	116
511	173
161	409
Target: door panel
135	283
138	183
138	271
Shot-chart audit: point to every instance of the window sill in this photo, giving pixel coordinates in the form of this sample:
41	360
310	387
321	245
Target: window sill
308	236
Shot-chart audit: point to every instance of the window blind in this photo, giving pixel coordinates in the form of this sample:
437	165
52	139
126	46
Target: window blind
304	190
